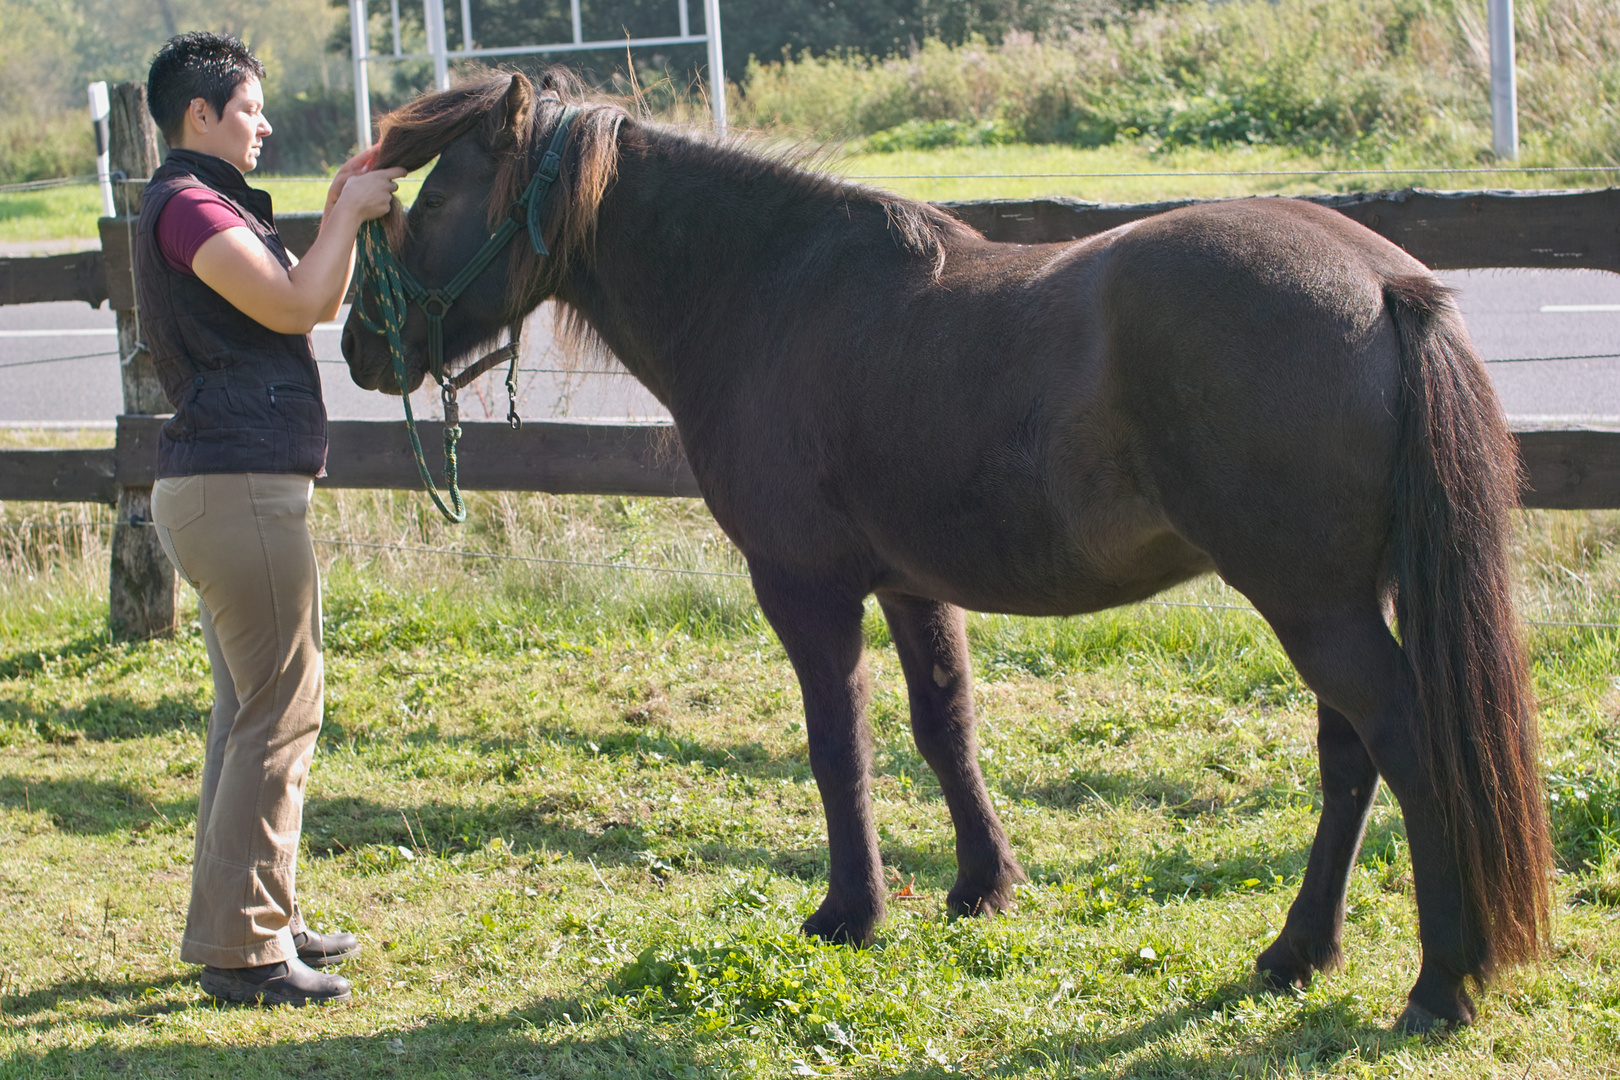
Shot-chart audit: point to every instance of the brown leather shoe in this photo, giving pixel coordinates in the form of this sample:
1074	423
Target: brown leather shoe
289	982
322	950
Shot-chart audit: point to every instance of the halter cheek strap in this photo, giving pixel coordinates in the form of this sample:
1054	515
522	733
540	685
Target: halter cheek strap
395	288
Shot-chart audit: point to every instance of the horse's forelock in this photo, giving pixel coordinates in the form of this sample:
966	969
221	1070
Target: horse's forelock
414	133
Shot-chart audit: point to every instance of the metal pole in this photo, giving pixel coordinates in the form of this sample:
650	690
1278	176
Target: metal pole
717	69
466	25
573	10
433	16
361	50
686	20
100	110
393	11
1504	83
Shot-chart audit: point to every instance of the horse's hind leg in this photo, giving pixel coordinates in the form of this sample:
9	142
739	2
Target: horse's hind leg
1310	939
931	638
820	627
1353	663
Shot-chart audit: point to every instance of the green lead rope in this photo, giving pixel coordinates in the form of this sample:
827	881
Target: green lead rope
393	289
385	278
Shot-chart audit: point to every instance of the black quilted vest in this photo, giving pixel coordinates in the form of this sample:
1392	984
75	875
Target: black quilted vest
246	399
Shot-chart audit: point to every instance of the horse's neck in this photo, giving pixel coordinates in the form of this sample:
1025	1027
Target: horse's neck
694	252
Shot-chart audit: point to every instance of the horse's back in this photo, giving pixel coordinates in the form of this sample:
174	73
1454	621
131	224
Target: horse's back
1251	349
1062	428
1213	388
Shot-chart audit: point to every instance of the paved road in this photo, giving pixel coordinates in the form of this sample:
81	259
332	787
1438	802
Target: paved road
1513	314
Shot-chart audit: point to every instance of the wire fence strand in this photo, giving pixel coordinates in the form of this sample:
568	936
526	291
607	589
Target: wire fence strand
531	558
44	185
1168	173
58	359
624	373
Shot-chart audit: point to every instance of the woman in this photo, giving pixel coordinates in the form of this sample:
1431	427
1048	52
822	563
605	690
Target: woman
226	311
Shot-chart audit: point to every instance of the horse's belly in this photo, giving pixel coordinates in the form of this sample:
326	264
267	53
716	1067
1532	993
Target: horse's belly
1052	567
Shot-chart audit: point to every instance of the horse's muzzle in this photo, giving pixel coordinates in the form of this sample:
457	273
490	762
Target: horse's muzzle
369	364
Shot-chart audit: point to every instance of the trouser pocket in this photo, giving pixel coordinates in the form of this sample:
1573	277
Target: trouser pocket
177	501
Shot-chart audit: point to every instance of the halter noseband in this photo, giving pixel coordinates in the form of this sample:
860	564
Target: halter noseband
395	288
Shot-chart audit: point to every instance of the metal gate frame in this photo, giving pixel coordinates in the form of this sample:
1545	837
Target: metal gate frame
439	51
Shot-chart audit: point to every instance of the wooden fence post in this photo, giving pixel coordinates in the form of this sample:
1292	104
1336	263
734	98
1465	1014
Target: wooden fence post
142	583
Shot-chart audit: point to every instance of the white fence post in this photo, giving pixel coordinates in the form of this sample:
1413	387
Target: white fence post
433	16
360	48
717	68
1504	83
100	110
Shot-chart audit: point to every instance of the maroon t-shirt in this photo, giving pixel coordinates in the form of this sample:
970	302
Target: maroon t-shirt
189	218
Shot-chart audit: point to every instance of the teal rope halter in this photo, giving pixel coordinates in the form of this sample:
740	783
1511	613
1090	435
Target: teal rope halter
394	289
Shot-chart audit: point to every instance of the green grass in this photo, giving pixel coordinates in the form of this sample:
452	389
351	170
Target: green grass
989	172
570	815
70	213
1150	176
65	213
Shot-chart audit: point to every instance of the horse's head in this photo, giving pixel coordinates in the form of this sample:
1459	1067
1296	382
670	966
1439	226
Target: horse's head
489	135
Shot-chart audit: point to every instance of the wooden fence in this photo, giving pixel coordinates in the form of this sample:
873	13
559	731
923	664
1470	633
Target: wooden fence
1568	468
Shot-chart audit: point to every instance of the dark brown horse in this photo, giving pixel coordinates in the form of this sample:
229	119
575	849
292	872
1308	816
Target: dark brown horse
874	398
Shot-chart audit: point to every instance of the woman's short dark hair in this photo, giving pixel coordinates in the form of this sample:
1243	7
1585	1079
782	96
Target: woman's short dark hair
196	65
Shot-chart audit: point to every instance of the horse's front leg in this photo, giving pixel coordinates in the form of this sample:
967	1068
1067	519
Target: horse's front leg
1310	939
931	638
820	627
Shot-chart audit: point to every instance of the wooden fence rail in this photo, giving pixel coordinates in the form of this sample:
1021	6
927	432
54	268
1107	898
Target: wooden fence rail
1572	468
1446	230
1565	469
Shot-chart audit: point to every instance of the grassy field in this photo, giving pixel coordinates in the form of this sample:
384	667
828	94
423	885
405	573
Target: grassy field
569	812
68	213
1117	173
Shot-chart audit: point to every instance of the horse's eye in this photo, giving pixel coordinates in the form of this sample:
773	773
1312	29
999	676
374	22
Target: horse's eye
432	200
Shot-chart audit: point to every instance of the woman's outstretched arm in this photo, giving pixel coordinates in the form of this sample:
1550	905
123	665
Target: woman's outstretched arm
235	264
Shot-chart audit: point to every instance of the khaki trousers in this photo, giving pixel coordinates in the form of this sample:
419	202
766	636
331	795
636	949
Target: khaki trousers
242	541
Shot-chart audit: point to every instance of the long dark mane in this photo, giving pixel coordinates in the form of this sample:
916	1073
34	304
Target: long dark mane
415	133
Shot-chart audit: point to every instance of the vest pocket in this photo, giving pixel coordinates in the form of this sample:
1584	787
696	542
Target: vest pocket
295	391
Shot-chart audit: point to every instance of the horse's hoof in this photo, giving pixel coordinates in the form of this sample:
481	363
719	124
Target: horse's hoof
1282	968
840	928
1424	1019
1416	1020
968	898
1291	963
1283	979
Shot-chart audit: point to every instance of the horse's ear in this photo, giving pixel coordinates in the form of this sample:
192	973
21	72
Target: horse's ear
508	118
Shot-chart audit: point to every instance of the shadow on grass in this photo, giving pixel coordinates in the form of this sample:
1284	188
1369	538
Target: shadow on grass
1320	1036
94	807
32	661
130	1001
527	828
540	1040
104	718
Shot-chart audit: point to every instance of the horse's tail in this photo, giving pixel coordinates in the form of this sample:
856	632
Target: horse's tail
1456	479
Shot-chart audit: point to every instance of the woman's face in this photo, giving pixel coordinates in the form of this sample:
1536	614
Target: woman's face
236	134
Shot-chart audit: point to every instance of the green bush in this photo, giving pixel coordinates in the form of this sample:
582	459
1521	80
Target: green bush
1356	75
